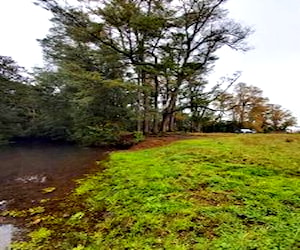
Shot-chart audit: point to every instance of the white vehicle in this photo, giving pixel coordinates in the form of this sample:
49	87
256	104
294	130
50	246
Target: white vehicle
246	131
293	129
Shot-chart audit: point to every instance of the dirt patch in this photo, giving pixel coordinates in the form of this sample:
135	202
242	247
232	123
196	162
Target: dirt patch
210	198
156	141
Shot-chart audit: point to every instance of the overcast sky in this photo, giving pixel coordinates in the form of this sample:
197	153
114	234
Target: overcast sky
273	64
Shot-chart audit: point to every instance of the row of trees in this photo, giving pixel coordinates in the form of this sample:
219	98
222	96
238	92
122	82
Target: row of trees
13	99
247	107
44	106
125	65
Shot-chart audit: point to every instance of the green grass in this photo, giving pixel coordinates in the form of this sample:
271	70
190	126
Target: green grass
237	192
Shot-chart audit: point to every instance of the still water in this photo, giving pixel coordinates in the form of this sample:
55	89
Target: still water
28	168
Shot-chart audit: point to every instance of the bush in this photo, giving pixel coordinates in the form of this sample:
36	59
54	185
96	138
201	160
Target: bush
97	135
138	136
127	139
109	134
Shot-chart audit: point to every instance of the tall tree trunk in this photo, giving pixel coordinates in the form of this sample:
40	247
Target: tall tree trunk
165	122
242	117
146	103
146	121
139	105
168	112
172	122
155	120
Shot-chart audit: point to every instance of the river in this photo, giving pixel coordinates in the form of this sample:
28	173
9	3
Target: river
26	169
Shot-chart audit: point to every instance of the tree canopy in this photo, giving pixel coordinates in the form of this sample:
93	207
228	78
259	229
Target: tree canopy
121	66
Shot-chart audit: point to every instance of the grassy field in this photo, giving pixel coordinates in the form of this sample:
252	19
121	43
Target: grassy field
233	192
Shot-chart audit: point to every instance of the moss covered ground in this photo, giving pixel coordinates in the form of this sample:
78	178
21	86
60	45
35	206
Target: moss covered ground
233	192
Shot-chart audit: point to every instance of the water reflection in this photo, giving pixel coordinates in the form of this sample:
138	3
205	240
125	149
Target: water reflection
17	162
27	169
6	236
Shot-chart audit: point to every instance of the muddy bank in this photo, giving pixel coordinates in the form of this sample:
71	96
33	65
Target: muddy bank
25	170
158	141
40	174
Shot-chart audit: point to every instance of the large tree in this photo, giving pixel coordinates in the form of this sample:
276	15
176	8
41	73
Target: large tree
249	106
165	46
279	118
87	82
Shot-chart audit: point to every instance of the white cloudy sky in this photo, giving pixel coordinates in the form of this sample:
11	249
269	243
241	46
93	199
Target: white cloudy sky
272	65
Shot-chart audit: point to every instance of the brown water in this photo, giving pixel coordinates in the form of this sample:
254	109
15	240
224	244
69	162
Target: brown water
26	169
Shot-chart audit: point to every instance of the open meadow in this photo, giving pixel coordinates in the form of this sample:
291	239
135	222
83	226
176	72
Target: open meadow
219	192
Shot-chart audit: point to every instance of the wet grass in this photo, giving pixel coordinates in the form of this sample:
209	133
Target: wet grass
237	192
